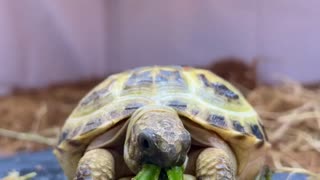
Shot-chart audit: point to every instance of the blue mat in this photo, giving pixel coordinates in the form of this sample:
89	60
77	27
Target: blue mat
46	166
281	176
43	163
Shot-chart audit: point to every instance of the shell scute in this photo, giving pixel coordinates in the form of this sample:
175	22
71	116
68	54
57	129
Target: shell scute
115	114
217	120
204	80
63	136
94	96
130	108
177	104
237	126
256	131
221	89
133	106
97	98
217	92
97	94
91	125
74	132
139	78
170	76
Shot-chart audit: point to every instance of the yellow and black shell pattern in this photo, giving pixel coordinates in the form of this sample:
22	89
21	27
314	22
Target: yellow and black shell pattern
198	94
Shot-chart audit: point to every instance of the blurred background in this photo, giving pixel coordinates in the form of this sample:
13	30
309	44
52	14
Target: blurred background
56	41
53	52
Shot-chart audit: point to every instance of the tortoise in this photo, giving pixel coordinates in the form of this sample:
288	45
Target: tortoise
167	116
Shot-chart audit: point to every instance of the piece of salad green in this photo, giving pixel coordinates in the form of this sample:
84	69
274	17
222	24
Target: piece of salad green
175	173
148	172
152	172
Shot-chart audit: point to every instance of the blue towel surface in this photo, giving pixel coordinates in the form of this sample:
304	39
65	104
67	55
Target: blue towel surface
43	163
46	166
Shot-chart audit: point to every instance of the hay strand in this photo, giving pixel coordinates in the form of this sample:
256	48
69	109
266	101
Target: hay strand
32	137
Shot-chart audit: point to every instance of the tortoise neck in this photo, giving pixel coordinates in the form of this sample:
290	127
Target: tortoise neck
152	108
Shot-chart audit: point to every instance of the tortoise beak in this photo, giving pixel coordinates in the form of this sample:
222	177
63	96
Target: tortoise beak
164	159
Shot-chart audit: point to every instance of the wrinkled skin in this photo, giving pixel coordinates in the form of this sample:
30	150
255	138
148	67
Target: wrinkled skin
156	137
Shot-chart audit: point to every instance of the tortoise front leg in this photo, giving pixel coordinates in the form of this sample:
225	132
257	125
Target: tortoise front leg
96	164
215	164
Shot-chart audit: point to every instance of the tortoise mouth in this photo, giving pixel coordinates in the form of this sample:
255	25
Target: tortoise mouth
163	161
163	174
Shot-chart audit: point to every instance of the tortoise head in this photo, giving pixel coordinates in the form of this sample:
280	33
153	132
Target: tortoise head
156	135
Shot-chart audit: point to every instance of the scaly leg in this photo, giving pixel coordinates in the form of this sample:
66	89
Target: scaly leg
215	164
96	164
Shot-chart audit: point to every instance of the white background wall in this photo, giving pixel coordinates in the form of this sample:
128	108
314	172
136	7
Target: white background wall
44	42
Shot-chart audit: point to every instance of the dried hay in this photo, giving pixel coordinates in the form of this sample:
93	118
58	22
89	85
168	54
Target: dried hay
291	115
40	111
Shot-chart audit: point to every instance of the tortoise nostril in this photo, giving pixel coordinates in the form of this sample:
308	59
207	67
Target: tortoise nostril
145	141
145	144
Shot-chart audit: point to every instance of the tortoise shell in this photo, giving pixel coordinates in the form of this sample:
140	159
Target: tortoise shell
197	94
